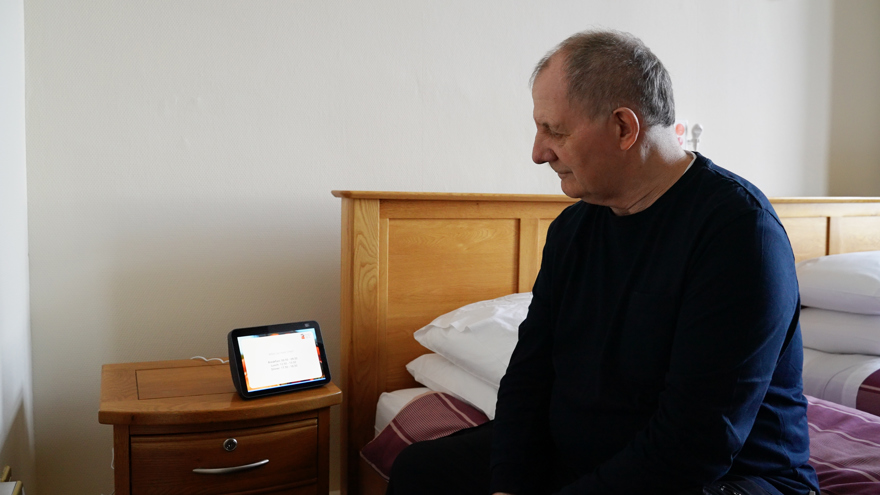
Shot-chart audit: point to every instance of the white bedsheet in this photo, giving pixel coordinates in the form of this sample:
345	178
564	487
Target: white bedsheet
837	377
390	403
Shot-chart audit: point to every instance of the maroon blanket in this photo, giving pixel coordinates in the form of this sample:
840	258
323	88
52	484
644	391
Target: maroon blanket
868	398
844	448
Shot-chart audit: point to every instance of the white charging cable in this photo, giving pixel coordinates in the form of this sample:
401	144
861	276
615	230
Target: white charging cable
209	359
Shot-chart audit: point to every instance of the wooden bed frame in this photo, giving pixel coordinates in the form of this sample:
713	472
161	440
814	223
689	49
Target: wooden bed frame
410	257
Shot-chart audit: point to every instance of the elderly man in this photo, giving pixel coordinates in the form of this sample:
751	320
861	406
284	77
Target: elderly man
662	351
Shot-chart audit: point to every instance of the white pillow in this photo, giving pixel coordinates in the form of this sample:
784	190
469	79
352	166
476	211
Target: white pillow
836	331
842	282
479	337
437	373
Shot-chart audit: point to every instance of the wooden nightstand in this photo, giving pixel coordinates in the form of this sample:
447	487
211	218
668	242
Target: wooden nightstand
180	427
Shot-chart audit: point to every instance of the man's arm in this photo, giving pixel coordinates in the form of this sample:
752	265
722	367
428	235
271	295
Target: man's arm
521	415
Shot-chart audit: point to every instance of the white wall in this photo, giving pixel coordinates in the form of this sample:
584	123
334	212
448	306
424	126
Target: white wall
854	146
181	154
16	392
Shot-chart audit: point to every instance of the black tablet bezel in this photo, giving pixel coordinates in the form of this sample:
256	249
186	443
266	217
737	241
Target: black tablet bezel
237	369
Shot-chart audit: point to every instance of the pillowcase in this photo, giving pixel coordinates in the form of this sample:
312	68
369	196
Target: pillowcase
836	331
843	282
479	337
437	373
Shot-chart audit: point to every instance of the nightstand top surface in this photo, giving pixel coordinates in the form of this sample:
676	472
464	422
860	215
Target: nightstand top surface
190	391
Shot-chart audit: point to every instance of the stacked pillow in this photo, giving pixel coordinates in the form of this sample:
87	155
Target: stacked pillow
840	322
472	347
841	298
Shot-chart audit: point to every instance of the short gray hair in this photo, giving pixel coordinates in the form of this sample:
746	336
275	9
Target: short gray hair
608	69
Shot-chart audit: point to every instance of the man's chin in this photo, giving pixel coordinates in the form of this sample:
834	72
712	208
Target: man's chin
571	191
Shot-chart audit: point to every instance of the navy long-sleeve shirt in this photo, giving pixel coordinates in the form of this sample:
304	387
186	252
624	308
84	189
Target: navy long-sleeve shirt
662	349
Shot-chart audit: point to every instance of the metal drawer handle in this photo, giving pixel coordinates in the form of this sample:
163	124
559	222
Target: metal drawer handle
233	469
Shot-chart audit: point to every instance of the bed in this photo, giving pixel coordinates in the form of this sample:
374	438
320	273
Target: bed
409	257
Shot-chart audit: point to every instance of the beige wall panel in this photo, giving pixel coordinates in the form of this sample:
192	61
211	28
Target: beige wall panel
853	147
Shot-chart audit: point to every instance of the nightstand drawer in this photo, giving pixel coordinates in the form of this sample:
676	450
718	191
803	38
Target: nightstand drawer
165	463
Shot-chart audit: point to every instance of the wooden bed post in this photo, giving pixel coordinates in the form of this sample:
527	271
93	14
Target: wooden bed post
359	327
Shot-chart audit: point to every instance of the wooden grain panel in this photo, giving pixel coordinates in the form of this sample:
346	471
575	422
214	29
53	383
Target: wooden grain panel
471	209
184	382
121	460
808	236
437	265
118	384
299	490
442	264
359	327
382	312
533	235
543	227
346	291
530	243
365	277
530	262
120	403
371	482
226	425
165	420
826	207
346	318
165	463
323	483
855	234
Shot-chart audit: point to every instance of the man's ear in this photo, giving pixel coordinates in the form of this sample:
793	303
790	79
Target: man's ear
627	125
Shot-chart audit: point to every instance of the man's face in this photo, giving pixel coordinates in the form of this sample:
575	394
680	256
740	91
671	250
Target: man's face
580	150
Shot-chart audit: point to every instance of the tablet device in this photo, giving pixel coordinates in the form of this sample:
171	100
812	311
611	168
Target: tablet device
275	359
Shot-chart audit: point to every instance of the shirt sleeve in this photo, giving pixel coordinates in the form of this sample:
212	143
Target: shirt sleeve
738	313
521	430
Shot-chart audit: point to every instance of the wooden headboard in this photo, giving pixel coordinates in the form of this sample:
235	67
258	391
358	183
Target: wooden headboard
410	257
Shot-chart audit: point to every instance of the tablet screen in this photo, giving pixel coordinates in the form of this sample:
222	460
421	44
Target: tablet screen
277	358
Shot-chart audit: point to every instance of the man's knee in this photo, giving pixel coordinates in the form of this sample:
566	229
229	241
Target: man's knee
415	470
456	464
415	458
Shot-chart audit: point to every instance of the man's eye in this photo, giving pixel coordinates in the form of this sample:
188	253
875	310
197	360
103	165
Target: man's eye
551	133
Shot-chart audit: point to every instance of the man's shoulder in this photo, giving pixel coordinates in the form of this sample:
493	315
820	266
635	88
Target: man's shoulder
720	192
571	216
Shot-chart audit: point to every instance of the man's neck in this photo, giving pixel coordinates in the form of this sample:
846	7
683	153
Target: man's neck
657	174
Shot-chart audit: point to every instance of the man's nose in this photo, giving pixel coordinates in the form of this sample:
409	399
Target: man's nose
542	153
